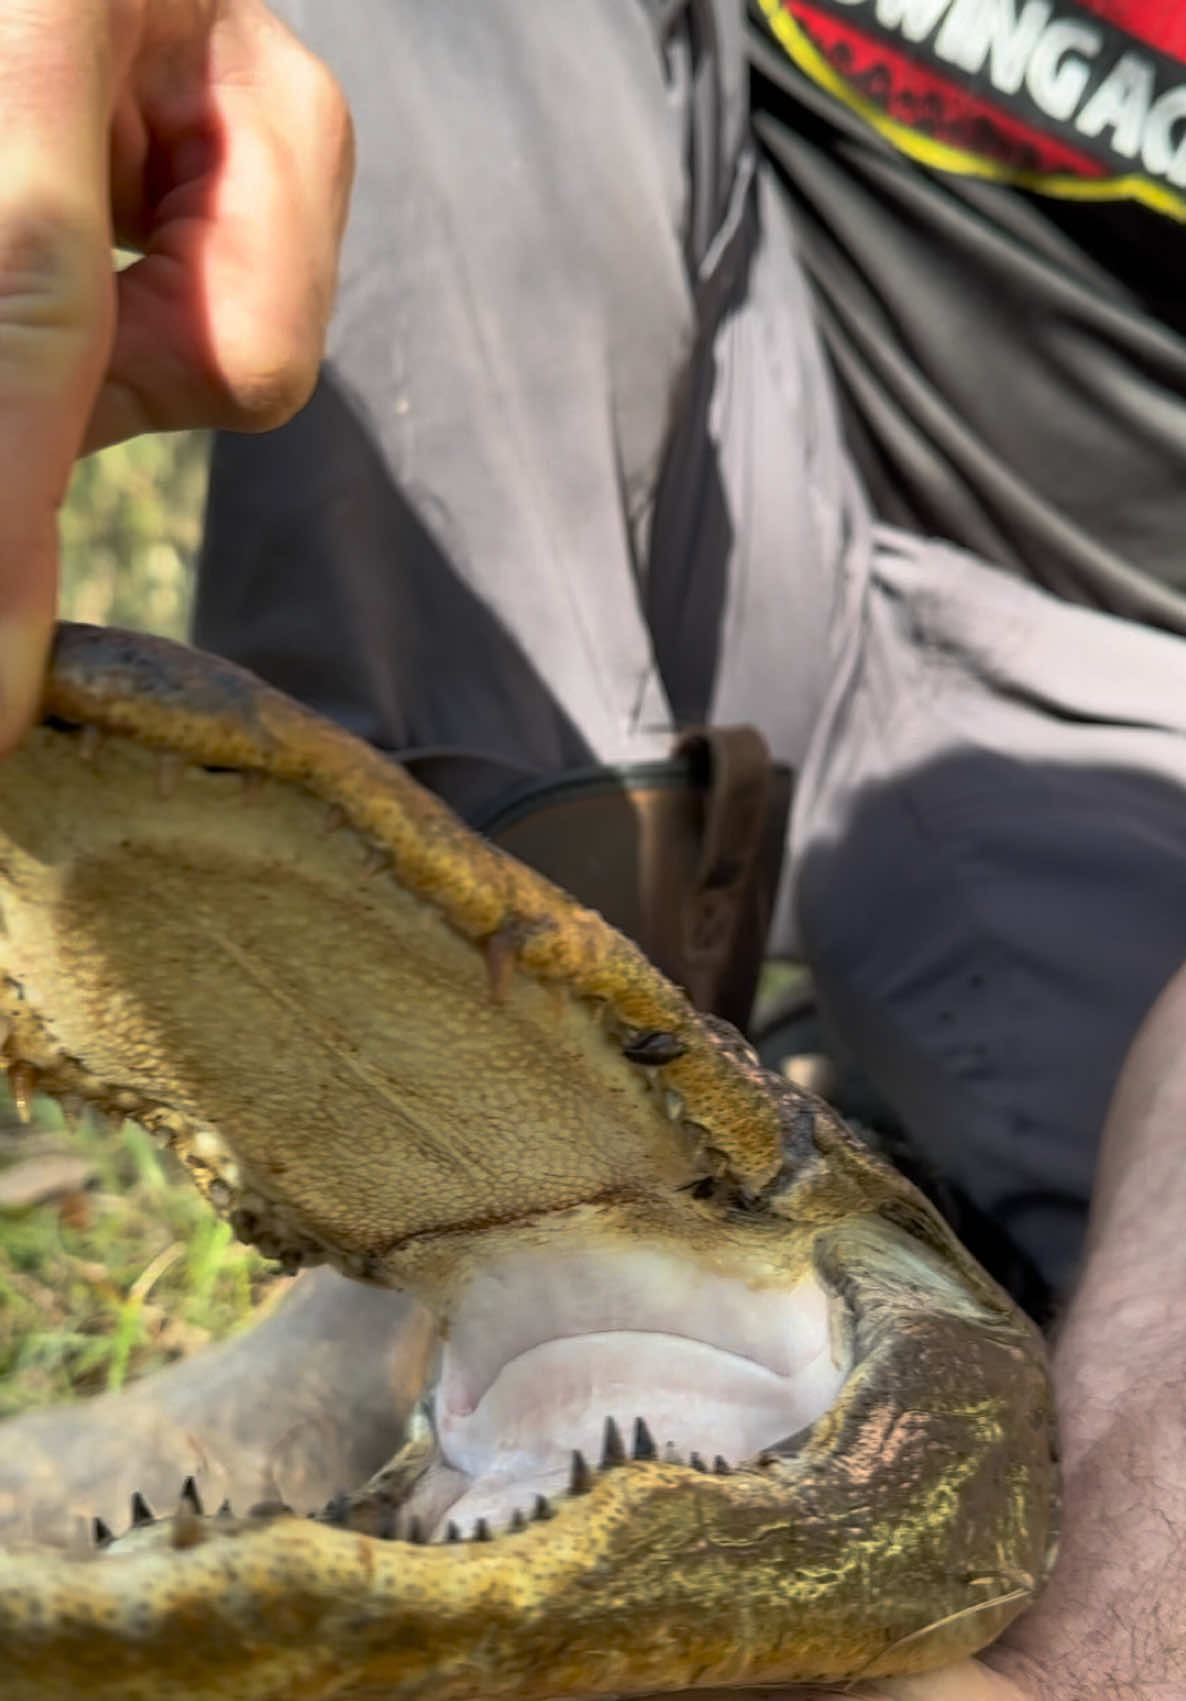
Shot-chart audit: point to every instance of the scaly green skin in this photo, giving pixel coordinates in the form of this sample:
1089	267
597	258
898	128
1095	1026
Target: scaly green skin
317	987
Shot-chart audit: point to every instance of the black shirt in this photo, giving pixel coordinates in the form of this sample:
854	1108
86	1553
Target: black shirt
991	199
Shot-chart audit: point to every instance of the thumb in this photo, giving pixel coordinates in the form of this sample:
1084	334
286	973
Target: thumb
55	307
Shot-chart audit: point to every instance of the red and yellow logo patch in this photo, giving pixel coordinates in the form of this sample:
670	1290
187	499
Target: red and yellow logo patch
1084	99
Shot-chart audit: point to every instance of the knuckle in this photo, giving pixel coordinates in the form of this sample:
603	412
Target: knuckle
273	395
51	292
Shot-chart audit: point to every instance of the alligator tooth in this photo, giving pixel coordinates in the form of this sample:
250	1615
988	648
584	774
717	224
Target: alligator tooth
416	1533
142	1512
580	1479
22	1084
673	1104
185	1529
191	1497
169	769
374	862
518	1521
722	1467
696	1462
653	1048
542	1510
73	1108
613	1451
644	1441
89	740
101	1533
498	950
251	781
481	1531
452	1533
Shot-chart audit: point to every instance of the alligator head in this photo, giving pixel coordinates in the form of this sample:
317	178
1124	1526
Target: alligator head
719	1399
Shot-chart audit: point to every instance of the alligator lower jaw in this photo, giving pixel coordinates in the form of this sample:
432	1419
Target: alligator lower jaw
543	1348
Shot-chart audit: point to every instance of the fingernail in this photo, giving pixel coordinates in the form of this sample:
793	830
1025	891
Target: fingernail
24	648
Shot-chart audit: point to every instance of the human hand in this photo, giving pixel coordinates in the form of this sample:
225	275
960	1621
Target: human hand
202	135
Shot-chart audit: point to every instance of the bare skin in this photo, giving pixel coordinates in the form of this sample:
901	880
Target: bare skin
166	127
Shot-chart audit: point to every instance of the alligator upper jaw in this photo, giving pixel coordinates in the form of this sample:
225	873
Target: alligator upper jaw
543	1347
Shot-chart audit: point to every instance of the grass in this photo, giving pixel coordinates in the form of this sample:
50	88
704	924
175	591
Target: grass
130	533
125	1269
130	1269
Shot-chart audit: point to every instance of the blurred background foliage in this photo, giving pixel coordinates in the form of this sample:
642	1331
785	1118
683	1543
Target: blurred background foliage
111	1264
130	532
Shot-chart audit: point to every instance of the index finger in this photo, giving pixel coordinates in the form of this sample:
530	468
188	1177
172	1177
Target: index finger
55	306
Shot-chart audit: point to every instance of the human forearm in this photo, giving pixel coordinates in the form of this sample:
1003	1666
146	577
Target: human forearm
1113	1622
1126	1329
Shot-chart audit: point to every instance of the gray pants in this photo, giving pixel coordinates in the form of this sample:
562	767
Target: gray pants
574	478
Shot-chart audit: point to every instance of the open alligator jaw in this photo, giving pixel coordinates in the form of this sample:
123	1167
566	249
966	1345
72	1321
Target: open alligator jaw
377	1041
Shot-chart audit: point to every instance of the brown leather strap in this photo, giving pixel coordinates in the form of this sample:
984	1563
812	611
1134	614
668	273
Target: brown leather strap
683	855
730	766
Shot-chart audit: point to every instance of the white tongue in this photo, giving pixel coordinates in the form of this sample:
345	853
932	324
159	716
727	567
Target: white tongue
518	1440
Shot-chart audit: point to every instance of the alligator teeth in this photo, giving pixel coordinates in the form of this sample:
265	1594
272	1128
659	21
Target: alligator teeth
102	1533
89	740
499	950
673	1104
190	1496
186	1528
581	1477
22	1084
142	1512
613	1449
644	1441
